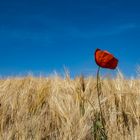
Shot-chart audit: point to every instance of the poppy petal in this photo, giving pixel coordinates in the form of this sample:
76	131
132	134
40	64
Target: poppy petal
105	60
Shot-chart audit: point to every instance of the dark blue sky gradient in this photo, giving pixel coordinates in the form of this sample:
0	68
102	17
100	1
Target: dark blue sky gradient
46	35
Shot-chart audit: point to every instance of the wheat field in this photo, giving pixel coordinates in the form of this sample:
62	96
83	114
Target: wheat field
56	108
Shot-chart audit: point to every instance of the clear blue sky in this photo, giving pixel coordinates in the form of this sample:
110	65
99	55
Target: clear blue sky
46	35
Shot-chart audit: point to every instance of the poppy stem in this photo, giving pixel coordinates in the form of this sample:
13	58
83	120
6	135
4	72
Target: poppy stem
99	93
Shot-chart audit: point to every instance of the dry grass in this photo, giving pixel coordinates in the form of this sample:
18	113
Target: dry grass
57	108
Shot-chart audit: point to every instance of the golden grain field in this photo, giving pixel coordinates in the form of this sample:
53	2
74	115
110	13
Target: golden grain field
56	108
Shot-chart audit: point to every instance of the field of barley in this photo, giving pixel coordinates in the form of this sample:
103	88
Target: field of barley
61	108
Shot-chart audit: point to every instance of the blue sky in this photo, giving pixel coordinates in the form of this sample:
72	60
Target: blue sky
42	36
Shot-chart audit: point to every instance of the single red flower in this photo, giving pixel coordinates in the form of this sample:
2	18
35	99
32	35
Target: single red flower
105	59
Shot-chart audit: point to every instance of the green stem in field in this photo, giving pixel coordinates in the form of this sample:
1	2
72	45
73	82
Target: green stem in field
99	93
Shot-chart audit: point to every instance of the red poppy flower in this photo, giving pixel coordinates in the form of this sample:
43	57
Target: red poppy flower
105	60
